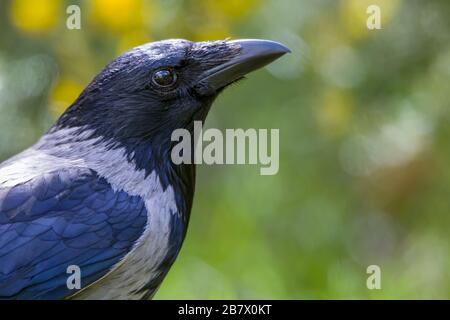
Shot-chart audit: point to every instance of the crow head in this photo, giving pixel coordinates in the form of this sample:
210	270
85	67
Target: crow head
141	97
151	90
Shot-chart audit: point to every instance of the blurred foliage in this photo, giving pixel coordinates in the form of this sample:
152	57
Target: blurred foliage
364	126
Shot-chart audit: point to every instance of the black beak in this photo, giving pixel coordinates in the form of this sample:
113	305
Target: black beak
252	54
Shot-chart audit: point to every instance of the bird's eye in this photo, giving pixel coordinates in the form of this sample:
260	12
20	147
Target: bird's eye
164	78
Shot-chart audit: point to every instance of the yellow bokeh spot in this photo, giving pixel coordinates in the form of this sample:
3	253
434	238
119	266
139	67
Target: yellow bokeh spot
233	9
218	31
219	17
118	15
353	15
36	16
330	37
132	39
335	112
64	94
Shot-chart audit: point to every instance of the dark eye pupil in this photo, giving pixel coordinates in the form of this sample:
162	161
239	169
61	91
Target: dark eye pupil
164	78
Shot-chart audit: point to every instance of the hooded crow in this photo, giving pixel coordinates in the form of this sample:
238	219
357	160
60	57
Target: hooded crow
99	192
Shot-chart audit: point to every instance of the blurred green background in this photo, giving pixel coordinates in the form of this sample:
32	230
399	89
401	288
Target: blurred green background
364	137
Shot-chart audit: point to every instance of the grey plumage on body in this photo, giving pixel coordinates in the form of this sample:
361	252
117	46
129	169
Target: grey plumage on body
99	189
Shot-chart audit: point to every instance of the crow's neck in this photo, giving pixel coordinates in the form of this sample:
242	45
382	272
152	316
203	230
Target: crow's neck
147	156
